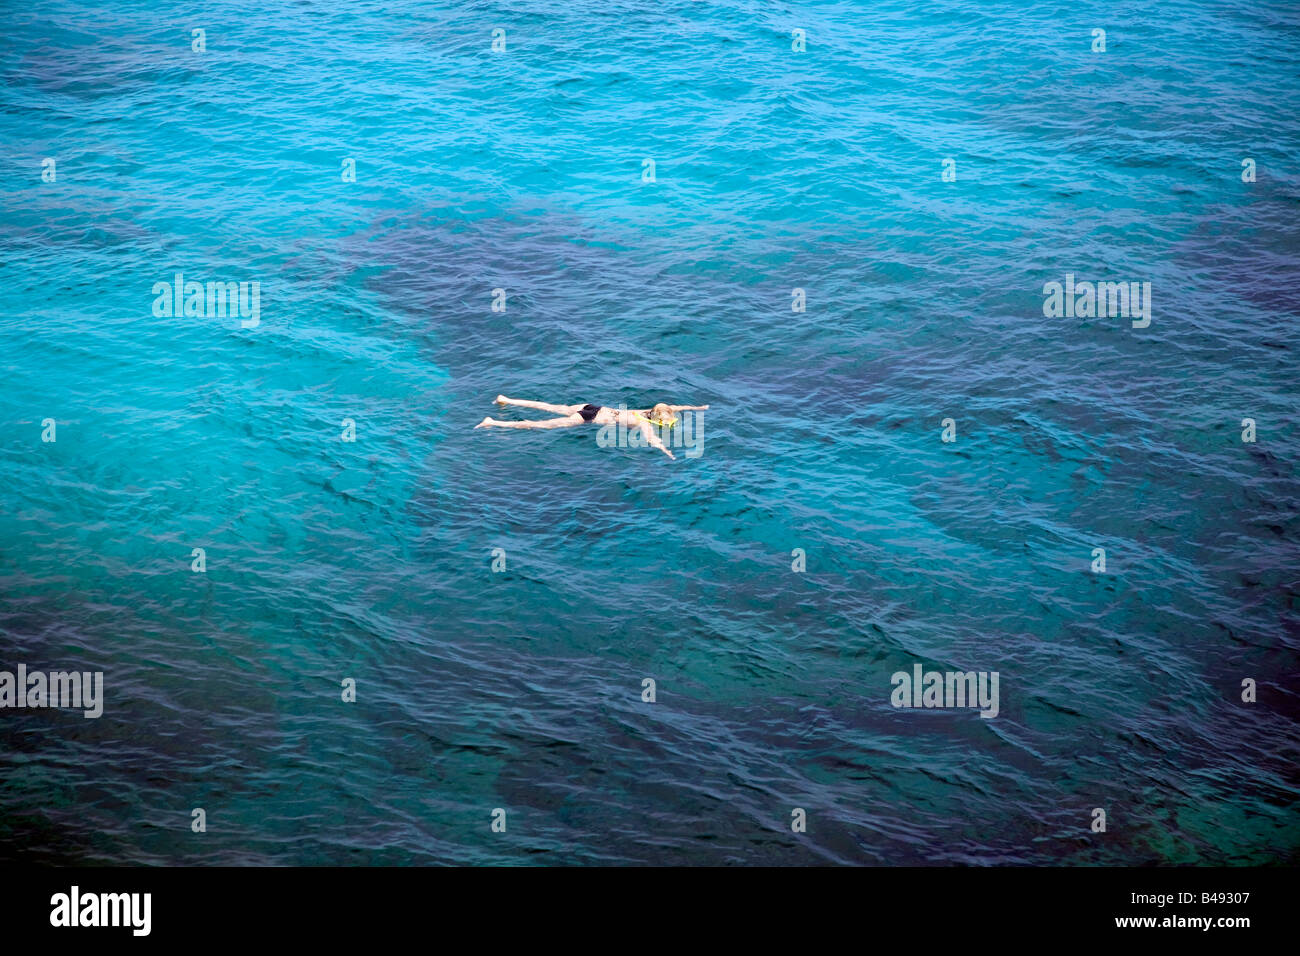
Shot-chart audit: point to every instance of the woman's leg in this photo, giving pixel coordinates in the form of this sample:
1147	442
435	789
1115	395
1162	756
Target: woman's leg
567	422
540	406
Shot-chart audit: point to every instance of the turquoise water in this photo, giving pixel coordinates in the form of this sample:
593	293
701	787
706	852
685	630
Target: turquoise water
774	170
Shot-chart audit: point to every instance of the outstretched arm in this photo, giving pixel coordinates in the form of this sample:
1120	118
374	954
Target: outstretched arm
654	441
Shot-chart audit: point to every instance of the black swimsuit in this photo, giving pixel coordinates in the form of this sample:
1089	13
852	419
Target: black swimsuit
588	412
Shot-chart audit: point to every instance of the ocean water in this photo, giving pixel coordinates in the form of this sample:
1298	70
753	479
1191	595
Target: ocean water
521	689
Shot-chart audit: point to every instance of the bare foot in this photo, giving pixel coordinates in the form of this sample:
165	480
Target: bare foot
502	400
484	423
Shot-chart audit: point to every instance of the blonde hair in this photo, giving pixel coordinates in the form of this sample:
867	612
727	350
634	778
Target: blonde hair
662	413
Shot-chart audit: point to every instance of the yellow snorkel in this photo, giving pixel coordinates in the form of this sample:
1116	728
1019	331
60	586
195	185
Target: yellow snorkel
670	423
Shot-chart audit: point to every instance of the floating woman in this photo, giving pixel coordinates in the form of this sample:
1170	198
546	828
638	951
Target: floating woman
644	419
